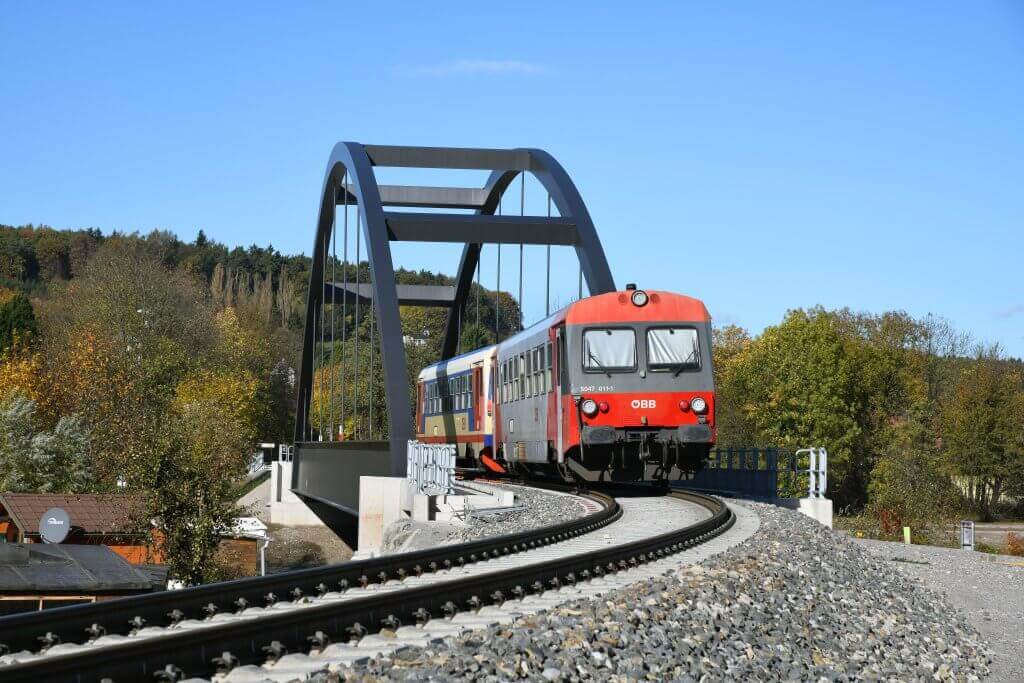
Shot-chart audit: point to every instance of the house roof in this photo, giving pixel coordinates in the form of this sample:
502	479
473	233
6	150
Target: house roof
73	569
90	513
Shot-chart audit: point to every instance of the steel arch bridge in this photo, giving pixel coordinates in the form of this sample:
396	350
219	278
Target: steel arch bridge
326	471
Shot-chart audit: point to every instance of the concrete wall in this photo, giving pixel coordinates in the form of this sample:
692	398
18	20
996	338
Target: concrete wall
285	507
326	476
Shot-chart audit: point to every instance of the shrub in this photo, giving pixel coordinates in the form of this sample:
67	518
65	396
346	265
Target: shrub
1014	544
907	489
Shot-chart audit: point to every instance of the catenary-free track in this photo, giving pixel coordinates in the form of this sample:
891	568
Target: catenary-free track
250	634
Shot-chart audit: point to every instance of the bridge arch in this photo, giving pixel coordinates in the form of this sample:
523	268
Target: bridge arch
350	179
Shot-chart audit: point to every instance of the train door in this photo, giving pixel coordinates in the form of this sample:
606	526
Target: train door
558	361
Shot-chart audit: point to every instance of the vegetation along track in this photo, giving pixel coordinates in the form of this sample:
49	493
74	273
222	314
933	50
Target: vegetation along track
245	635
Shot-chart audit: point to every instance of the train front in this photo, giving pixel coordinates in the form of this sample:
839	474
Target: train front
641	399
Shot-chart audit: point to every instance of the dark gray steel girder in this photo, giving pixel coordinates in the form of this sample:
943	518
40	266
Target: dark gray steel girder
450	157
351	157
480	229
426	197
408	295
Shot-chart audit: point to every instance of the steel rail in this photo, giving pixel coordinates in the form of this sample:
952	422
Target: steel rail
218	648
78	623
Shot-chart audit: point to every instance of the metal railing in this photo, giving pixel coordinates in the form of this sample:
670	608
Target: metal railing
430	468
762	473
817	471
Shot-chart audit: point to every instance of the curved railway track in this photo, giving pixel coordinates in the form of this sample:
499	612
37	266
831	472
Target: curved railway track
214	628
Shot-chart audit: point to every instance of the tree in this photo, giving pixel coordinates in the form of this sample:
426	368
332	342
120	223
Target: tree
983	433
41	461
210	433
17	321
798	385
908	486
734	426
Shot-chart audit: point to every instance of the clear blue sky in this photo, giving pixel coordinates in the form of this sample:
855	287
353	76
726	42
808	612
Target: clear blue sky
762	158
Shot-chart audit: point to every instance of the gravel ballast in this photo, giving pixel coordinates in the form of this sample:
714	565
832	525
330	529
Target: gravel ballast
540	508
988	588
794	602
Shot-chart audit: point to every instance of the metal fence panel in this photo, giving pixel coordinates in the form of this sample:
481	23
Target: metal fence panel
755	473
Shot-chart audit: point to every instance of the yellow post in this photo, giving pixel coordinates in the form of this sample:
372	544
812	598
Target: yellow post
906	535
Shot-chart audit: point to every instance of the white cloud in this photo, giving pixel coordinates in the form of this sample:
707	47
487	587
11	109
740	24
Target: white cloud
1011	311
470	67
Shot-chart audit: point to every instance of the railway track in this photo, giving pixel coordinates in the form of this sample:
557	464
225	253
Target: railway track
240	624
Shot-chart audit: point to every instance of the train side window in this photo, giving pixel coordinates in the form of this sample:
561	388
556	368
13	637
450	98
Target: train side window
529	373
522	375
538	378
508	381
547	367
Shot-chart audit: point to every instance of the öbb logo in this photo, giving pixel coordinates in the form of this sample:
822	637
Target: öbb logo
645	403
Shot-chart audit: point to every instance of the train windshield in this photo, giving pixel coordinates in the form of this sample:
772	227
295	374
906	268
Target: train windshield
609	350
673	348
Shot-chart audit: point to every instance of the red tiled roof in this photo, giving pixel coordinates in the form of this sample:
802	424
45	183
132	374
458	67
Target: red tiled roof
92	513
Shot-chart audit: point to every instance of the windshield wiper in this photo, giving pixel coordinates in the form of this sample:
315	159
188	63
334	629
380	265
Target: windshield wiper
690	361
590	356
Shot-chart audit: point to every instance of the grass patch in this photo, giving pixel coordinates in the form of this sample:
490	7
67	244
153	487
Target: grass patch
251	484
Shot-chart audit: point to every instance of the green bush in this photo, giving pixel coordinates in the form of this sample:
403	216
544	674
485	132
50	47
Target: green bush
908	489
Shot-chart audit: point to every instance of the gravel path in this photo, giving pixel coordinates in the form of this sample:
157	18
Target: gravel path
794	602
988	588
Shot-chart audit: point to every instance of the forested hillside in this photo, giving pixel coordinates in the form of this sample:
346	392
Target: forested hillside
146	364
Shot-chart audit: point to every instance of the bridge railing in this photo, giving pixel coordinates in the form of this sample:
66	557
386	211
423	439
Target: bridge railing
761	473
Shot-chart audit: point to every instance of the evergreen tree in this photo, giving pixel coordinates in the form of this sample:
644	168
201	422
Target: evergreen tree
17	321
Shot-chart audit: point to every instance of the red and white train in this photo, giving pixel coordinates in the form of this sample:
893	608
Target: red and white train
614	387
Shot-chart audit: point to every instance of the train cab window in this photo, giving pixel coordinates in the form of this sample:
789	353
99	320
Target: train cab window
609	350
673	348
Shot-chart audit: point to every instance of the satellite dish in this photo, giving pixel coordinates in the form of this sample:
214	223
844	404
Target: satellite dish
54	525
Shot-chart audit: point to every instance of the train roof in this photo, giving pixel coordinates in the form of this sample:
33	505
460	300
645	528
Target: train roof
617	307
613	307
456	364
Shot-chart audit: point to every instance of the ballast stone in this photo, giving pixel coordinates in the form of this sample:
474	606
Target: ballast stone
794	602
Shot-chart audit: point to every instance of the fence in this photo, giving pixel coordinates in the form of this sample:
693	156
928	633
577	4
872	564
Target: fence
761	473
430	468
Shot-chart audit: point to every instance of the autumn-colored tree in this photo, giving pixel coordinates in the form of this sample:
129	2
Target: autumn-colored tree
734	426
211	428
798	385
983	429
23	372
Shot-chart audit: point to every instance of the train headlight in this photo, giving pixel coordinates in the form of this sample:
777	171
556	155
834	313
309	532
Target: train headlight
603	406
589	407
698	404
639	298
684	405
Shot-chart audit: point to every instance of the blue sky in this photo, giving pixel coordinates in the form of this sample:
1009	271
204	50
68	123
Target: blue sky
761	157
